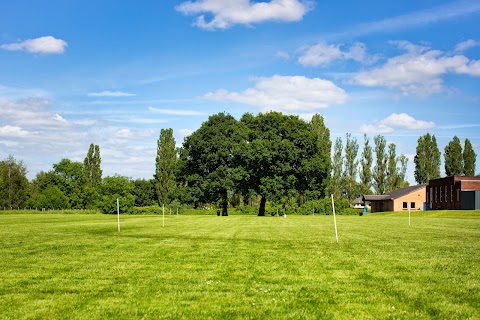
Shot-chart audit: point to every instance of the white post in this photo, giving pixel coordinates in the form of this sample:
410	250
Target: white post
313	211
170	210
163	215
334	219
408	216
118	214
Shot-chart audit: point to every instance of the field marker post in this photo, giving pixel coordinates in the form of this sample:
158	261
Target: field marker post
118	215
408	216
334	219
163	215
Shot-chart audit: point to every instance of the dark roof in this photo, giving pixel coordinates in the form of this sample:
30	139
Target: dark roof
394	194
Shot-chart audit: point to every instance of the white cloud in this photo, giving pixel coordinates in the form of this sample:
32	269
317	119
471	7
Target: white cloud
176	112
31	113
43	45
323	54
288	94
12	131
418	71
227	13
465	45
111	94
445	12
396	121
282	55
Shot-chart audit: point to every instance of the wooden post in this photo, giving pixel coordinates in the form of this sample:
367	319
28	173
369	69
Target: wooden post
334	219
118	215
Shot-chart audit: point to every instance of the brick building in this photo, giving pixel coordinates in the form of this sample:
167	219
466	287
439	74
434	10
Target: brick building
412	198
455	193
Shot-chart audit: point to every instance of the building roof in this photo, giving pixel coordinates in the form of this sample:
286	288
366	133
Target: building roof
394	194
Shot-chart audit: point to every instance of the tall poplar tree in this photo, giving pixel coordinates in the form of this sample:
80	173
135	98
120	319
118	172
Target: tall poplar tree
366	167
469	159
324	145
337	168
402	172
165	166
427	159
453	158
392	176
92	169
13	183
351	168
380	169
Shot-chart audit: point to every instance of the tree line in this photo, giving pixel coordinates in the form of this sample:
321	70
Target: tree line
270	157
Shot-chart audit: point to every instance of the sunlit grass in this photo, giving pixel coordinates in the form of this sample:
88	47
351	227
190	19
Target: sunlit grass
79	266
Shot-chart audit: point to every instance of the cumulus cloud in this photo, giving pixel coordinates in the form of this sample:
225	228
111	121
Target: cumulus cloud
396	121
43	45
323	54
418	71
114	94
286	93
176	112
227	13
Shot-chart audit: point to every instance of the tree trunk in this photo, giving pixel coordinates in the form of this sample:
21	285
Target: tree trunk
261	210
224	202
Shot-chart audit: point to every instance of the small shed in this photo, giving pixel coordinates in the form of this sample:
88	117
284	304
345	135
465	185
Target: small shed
408	198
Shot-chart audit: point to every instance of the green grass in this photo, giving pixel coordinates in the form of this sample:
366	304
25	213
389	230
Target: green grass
207	267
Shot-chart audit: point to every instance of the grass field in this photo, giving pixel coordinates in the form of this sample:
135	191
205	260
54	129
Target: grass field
207	267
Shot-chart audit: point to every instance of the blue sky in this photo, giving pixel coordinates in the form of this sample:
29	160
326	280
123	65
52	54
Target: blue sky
115	73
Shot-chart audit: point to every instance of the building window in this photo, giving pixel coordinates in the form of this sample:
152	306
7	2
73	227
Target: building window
436	194
451	193
440	194
405	205
458	194
431	194
412	205
446	193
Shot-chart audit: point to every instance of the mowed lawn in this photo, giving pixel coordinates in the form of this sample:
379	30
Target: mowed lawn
58	266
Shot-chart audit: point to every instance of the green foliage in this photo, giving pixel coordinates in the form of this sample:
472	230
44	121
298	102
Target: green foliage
366	168
13	183
210	160
427	159
282	157
144	193
350	169
469	159
322	163
391	168
113	188
92	170
380	169
165	181
453	158
336	188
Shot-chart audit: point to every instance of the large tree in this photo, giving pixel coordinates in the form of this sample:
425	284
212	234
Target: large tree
427	159
366	167
469	159
165	181
380	169
402	172
336	184
281	156
13	183
453	158
210	159
350	168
